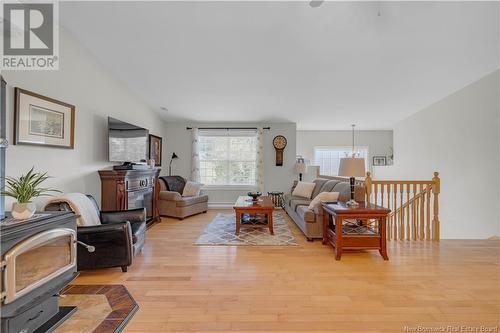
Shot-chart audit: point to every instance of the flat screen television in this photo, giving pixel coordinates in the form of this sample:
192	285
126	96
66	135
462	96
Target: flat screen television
127	142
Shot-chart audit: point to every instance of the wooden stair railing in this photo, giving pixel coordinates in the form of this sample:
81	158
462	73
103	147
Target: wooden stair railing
411	203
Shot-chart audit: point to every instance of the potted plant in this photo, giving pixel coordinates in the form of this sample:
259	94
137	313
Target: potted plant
24	189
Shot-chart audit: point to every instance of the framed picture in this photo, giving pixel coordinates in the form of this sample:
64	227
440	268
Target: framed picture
379	160
155	149
43	121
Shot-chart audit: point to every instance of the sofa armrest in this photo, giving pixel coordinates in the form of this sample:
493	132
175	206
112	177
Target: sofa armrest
170	196
132	215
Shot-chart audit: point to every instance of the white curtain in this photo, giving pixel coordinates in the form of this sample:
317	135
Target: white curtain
260	160
195	156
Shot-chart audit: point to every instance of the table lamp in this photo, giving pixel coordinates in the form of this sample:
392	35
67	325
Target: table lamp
352	167
300	167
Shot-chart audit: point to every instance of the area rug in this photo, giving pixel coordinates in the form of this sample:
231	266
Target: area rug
100	308
221	231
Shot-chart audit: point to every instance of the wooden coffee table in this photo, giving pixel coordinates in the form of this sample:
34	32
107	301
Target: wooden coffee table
254	214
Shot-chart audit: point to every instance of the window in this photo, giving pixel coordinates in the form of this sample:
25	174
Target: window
228	158
328	158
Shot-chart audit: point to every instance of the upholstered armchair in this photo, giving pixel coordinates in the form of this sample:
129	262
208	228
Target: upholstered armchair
115	242
171	202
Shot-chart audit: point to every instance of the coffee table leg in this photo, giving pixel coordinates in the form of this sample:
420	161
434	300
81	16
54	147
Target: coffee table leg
383	239
338	241
270	222
238	222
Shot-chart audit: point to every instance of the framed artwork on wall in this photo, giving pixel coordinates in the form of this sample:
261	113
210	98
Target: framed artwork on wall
155	147
43	121
379	160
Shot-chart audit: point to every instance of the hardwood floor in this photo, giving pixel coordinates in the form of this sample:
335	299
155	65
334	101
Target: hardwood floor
181	287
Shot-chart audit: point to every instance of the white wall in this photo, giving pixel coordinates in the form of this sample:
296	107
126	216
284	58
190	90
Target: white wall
178	140
378	142
459	137
83	82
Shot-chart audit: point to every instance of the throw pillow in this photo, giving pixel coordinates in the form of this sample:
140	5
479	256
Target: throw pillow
304	189
191	189
324	197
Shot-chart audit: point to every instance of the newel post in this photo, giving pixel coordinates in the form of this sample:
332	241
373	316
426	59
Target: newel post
368	185
436	189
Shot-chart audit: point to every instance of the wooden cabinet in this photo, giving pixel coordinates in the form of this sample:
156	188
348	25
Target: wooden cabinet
130	189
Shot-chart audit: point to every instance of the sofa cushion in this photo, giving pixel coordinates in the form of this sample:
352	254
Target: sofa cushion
299	202
319	184
329	185
323	197
344	190
304	189
191	189
288	198
188	201
306	214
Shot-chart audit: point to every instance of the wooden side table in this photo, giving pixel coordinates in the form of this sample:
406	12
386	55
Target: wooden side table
355	228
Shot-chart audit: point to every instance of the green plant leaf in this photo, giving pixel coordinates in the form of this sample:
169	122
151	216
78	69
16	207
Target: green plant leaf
27	187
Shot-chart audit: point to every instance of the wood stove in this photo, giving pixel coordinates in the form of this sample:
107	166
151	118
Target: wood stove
38	260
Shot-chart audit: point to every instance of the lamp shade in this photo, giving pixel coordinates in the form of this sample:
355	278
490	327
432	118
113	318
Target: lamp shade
352	167
300	167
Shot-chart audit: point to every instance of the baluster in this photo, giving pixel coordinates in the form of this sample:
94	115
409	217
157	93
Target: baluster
421	213
414	213
395	207
375	193
417	215
382	195
428	212
389	222
401	213
408	226
436	191
368	185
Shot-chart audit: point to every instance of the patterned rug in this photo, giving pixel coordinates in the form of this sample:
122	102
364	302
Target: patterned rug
100	308
221	231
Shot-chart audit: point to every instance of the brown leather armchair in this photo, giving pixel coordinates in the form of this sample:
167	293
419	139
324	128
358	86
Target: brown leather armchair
116	241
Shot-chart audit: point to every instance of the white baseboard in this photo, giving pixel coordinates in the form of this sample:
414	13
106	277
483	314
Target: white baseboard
220	204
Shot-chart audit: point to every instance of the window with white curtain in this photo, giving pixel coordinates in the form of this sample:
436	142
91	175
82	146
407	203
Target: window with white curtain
328	158
228	158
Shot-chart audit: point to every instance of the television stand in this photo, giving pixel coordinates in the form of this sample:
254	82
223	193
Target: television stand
130	189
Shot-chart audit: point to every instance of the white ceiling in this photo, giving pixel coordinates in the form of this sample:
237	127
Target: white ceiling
323	68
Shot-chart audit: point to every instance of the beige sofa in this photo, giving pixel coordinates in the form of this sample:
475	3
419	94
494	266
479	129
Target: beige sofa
171	203
311	221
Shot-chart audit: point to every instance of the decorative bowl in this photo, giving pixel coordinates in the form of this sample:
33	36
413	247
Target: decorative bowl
255	195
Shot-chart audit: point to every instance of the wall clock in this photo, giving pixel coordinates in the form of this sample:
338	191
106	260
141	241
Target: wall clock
279	143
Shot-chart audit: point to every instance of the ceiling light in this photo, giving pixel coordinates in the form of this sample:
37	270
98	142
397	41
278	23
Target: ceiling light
315	3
